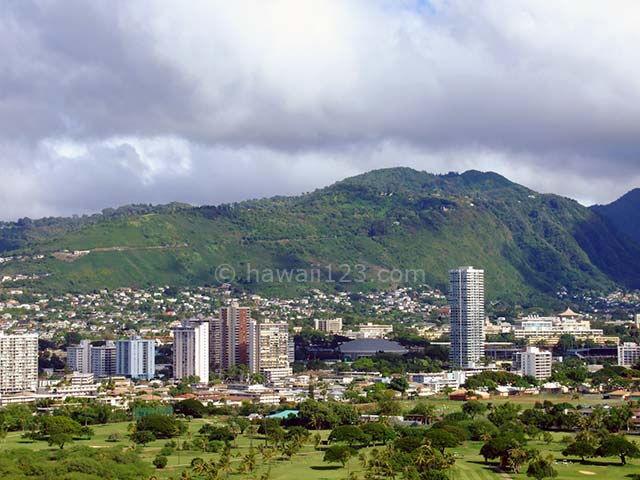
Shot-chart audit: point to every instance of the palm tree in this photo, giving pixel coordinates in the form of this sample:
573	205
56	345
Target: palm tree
267	453
517	456
317	438
485	437
186	475
249	462
362	459
212	472
266	475
224	464
199	467
426	457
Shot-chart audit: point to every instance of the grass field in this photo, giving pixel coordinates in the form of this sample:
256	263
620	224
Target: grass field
308	464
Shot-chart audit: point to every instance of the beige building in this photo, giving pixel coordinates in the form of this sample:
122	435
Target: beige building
18	363
535	329
191	350
329	325
269	349
536	363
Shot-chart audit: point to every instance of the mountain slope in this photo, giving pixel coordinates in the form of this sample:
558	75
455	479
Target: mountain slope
624	213
529	244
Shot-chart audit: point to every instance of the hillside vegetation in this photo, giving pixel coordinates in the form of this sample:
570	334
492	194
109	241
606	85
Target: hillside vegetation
530	244
623	213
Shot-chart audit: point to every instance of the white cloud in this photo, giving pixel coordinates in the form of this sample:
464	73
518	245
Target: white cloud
111	102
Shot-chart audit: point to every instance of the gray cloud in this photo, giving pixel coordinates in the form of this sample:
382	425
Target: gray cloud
111	102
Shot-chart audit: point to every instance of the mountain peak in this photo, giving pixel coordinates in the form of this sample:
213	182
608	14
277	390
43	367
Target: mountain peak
404	179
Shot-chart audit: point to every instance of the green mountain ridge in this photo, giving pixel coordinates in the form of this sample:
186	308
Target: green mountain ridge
531	245
623	213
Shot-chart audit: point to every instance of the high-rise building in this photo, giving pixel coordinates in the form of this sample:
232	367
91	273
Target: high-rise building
229	337
103	360
18	363
269	349
215	345
79	357
466	297
329	325
135	358
628	354
536	363
191	350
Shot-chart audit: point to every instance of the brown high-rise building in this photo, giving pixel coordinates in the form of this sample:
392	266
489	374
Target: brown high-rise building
229	338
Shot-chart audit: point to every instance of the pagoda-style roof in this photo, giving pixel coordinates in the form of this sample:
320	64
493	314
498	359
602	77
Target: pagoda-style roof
569	313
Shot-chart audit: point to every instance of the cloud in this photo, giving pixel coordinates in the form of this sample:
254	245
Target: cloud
111	102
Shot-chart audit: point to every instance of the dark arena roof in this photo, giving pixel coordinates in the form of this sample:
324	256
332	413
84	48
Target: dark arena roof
372	346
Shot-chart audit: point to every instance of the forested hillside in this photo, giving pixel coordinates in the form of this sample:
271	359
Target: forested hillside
399	218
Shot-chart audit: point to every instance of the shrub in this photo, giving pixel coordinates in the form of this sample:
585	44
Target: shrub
160	461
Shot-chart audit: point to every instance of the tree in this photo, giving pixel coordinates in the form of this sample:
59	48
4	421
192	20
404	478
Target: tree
59	429
441	439
617	418
317	439
215	433
507	446
428	411
190	407
473	408
142	437
162	426
60	439
541	468
240	422
338	454
507	412
387	405
224	463
580	448
349	434
316	415
249	461
160	461
516	457
378	432
618	446
399	384
482	429
16	417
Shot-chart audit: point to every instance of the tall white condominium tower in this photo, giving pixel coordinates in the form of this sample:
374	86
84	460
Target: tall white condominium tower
18	363
135	358
466	297
269	349
79	357
191	350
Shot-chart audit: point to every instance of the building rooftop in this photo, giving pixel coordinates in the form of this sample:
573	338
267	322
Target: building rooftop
372	345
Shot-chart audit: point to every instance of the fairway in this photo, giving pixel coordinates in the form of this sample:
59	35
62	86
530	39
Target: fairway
308	462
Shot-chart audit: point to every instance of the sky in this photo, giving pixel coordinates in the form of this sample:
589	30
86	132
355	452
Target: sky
105	103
